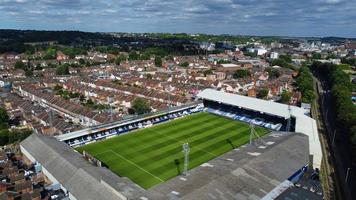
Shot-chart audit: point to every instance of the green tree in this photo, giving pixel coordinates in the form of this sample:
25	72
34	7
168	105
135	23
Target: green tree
316	56
208	72
169	57
305	84
184	64
81	61
350	61
38	67
158	61
50	54
4	118
308	96
29	52
273	73
90	102
70	52
262	94
52	65
62	70
134	56
28	72
120	59
241	73
222	61
20	65
74	95
81	98
4	137
145	56
286	96
344	66
342	106
149	76
9	137
286	58
331	56
251	54
141	106
17	136
282	62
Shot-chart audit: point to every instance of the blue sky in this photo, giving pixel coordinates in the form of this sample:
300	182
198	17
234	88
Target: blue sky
247	17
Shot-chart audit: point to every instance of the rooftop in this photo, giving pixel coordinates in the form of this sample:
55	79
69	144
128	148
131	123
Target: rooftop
72	171
229	65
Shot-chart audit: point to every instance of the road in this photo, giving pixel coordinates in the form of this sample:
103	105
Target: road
339	151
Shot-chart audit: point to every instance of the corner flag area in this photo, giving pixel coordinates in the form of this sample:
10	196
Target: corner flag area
154	155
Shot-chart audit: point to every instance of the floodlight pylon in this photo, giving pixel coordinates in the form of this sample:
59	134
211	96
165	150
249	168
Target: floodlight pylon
186	150
254	133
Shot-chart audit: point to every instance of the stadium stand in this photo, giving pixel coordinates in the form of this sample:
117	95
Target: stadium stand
77	177
256	118
104	131
260	111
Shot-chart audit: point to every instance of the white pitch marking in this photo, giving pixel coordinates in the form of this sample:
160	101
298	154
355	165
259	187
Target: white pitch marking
136	165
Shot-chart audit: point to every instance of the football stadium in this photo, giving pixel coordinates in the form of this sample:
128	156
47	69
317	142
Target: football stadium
222	146
153	155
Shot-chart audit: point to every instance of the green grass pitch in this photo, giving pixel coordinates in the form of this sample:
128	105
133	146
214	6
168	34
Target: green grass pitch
147	156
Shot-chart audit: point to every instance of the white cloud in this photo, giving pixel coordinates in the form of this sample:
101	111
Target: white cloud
227	16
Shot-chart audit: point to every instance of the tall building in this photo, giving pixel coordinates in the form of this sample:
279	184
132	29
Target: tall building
274	55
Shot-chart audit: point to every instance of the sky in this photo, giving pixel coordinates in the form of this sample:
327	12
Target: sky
236	17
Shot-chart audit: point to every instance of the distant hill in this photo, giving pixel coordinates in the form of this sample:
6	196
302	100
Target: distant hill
14	40
63	37
20	41
17	40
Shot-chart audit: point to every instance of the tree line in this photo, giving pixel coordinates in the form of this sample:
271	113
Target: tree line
7	136
341	92
305	84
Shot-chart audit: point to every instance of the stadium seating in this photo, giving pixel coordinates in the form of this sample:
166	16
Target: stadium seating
244	115
133	126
